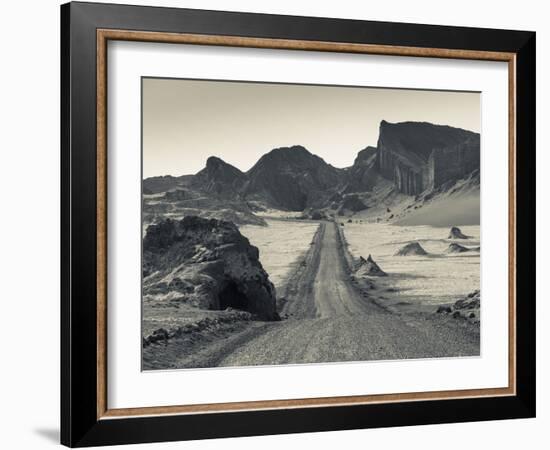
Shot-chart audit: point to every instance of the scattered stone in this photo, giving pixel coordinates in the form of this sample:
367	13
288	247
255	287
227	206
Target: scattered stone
413	248
465	308
471	301
456	233
369	267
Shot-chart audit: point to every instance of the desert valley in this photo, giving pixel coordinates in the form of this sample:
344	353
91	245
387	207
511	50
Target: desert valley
296	261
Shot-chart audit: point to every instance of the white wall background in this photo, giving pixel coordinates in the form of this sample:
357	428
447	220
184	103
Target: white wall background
29	233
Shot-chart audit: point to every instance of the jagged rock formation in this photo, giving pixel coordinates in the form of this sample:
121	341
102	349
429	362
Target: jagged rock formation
292	178
369	267
411	158
456	233
219	178
206	263
419	155
413	248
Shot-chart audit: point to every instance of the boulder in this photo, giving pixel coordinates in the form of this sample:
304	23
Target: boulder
455	233
210	262
369	267
412	248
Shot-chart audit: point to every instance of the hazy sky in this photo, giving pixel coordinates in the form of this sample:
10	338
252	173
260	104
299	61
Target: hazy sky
186	121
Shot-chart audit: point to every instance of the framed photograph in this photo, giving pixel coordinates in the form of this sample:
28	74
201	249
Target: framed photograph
276	224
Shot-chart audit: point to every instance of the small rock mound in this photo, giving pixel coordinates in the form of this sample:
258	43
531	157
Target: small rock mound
457	248
413	248
369	267
456	233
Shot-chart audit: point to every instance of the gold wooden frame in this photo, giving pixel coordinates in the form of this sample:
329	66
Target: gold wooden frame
103	36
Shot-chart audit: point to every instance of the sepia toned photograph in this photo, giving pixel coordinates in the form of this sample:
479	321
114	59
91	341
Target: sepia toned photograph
301	224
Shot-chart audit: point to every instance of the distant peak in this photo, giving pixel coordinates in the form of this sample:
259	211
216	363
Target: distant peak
293	148
215	161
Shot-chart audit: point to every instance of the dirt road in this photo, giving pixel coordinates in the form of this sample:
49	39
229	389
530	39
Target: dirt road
327	319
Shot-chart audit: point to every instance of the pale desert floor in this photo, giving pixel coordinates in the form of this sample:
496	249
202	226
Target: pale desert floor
433	279
281	244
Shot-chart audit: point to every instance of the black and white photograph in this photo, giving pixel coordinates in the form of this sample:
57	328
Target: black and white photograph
301	224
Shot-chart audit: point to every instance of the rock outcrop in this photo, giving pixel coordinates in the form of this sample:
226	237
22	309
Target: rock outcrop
292	178
413	248
465	308
206	263
369	267
456	233
420	155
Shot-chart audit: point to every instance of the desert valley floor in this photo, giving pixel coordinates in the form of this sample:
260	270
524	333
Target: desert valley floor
328	313
296	261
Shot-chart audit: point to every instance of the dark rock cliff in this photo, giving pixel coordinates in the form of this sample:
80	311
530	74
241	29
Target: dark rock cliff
421	155
206	263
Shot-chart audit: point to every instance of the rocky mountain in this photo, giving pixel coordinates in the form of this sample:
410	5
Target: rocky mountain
219	178
418	156
206	263
292	178
411	159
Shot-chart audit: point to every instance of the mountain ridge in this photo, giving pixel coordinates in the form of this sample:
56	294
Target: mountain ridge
415	157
